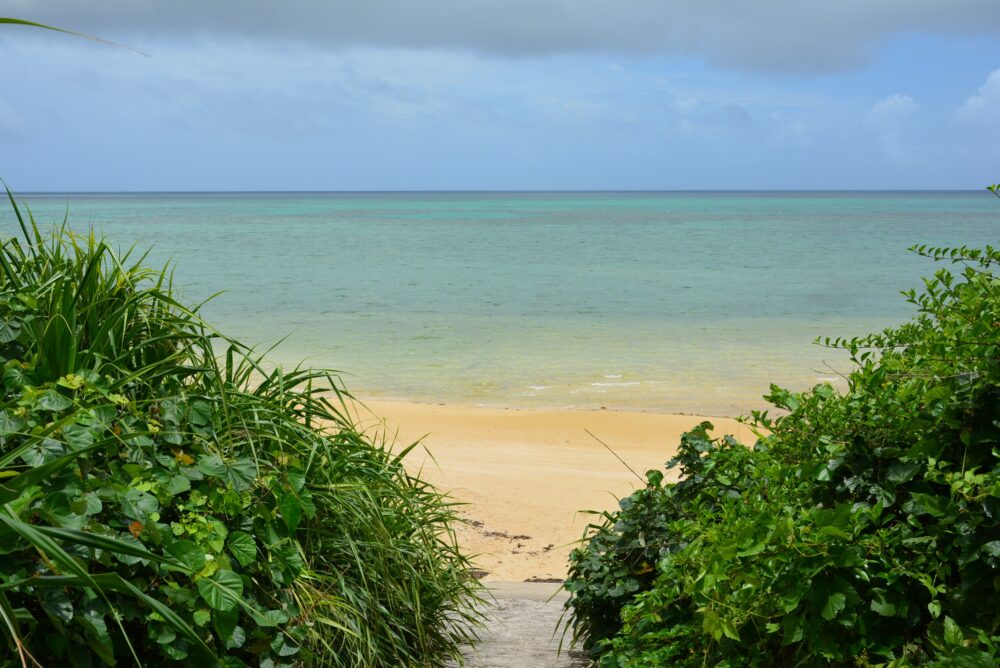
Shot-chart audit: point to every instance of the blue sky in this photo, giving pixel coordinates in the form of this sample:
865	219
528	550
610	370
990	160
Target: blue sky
550	94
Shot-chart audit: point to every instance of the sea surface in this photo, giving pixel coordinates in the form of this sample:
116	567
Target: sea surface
659	301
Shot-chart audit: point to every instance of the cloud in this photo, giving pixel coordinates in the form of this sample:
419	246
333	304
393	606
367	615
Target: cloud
984	106
888	120
778	35
891	112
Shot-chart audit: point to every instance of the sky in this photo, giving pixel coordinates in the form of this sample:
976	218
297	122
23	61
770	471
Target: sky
500	95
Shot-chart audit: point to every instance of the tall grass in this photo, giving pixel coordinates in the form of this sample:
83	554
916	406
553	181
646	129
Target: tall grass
168	497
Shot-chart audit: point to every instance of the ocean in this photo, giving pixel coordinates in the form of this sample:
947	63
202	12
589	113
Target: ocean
658	301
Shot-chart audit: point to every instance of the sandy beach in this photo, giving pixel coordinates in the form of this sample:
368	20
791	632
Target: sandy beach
525	474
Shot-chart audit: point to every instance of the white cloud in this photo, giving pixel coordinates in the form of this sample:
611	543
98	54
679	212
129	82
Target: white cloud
888	119
984	106
891	112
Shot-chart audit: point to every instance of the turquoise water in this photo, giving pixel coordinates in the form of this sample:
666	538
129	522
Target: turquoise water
677	302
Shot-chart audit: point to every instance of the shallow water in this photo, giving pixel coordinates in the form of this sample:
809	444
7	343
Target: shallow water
679	302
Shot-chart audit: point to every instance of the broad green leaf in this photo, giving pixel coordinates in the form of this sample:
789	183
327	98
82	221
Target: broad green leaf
952	633
236	639
270	618
222	591
710	623
177	650
10	424
291	510
932	504
188	553
834	605
225	622
50	400
308	505
200	414
165	636
835	532
78	436
992	548
212	465
728	630
880	606
282	645
57	508
88	504
96	632
242	547
287	562
47	451
129	558
903	471
139	505
241	473
57	604
14	378
297	480
9	330
177	485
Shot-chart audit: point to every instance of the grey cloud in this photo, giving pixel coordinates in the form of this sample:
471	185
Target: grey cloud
776	35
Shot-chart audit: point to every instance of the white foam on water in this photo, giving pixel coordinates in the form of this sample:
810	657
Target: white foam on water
623	384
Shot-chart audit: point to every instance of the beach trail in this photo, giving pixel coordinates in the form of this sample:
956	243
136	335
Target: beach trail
525	475
523	630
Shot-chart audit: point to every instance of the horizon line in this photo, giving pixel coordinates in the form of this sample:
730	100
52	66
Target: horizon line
502	191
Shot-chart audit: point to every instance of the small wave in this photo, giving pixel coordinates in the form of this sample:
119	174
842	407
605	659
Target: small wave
538	388
613	376
624	384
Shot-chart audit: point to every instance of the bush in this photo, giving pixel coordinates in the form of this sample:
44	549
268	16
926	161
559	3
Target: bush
862	529
161	503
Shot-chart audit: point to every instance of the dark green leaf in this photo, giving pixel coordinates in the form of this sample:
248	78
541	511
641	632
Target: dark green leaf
222	591
241	473
834	605
57	604
212	465
291	510
177	485
242	547
188	553
200	414
50	400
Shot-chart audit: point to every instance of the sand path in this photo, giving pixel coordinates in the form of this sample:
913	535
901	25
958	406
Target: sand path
526	474
522	629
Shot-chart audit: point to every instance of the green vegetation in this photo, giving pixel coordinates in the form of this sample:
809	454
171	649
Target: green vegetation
862	529
160	502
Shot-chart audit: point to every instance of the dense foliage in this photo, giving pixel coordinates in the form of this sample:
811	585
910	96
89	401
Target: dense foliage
164	497
862	529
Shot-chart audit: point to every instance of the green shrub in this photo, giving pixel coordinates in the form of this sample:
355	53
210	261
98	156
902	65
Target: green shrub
167	497
862	529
